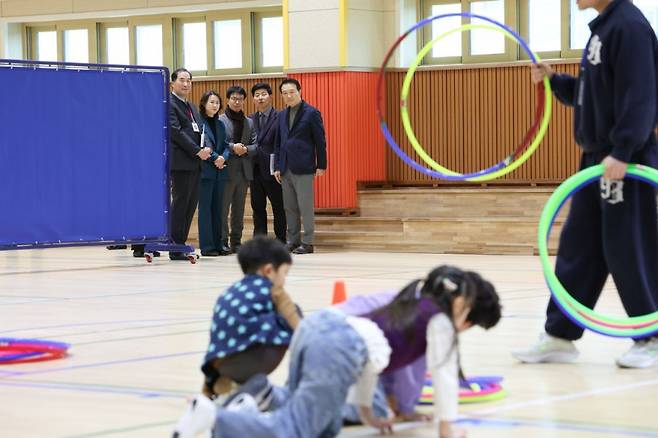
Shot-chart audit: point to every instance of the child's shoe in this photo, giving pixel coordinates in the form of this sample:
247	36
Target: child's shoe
199	417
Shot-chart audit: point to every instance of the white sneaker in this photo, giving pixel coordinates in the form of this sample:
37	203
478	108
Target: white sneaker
643	354
199	417
548	349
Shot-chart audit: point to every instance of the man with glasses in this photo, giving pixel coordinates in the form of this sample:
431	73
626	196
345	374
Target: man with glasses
241	137
300	156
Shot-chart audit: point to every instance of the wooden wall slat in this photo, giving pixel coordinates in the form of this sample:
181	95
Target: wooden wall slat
472	118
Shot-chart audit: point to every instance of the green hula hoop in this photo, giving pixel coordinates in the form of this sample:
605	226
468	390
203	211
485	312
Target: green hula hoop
632	327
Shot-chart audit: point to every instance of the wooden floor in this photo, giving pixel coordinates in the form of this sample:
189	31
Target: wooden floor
139	331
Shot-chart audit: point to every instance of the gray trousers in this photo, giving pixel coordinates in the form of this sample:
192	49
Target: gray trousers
299	204
235	194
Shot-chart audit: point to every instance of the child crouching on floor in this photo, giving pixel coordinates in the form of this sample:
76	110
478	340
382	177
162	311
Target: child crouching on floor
335	357
252	324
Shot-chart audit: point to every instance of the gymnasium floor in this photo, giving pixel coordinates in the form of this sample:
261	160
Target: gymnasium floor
138	332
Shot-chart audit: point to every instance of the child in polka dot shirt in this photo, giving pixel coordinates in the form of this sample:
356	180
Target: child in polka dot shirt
253	320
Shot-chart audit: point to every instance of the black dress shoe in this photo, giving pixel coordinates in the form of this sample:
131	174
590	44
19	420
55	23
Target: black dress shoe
292	246
177	256
113	247
235	248
225	250
304	249
210	253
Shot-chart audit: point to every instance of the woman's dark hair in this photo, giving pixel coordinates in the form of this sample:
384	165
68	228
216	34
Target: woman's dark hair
204	101
235	89
261	251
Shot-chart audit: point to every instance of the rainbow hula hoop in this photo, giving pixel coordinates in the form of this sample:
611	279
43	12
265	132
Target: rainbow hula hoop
628	327
499	169
510	163
13	351
477	390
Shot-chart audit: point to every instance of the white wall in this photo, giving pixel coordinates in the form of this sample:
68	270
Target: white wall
314	34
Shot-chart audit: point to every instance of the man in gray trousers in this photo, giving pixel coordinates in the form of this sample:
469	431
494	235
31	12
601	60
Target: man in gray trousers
241	138
300	156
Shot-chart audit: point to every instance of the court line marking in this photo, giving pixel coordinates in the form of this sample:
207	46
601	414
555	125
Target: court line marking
103	389
103	364
181	289
122	430
561	398
83	324
53	271
513	424
131	338
205	321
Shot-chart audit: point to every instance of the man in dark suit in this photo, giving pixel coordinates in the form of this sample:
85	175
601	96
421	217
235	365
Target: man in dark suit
300	156
264	186
185	156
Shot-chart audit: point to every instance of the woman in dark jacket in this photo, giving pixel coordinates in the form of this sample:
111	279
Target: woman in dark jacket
213	176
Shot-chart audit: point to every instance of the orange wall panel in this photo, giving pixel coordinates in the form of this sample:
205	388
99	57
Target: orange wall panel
355	148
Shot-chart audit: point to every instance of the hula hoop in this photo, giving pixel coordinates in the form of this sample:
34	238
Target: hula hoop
624	327
502	168
510	163
14	350
480	380
488	389
10	355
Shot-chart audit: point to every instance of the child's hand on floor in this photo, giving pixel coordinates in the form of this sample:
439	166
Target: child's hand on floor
448	430
384	425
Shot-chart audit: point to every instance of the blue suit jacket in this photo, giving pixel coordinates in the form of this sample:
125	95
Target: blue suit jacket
302	149
219	147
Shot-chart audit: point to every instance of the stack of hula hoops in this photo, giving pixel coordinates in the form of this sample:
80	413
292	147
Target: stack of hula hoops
14	350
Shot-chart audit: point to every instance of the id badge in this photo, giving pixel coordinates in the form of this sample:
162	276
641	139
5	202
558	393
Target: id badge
195	127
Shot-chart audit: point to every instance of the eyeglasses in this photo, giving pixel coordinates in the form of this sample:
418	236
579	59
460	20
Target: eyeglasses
236	99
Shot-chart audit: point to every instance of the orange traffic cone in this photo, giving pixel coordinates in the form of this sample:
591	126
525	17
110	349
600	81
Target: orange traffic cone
339	293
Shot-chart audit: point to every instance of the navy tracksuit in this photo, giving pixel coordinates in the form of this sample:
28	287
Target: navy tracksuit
612	227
